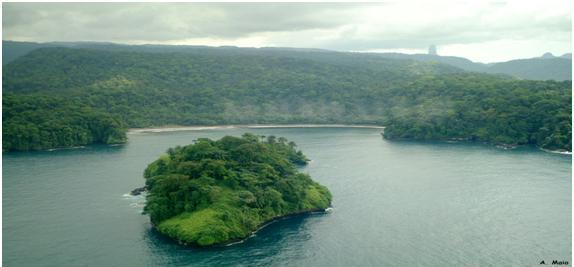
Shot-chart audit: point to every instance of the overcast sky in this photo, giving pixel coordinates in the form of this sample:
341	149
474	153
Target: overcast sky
487	32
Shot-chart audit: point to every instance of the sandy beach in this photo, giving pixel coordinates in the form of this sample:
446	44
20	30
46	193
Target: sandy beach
173	128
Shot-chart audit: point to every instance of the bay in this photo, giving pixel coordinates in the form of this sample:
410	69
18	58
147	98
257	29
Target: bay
395	203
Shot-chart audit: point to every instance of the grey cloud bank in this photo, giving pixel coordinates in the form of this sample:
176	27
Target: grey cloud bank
480	31
163	22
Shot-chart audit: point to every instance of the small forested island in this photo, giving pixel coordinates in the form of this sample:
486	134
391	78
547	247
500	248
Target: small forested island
217	192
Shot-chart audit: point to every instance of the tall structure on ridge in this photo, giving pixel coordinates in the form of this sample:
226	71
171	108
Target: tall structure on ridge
432	50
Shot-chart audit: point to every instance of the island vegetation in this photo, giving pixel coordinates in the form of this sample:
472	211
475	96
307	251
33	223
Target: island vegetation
58	97
216	192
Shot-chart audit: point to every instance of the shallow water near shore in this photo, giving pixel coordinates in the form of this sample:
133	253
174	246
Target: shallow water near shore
395	203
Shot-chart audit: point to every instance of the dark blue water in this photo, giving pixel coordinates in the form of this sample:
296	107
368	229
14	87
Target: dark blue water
395	204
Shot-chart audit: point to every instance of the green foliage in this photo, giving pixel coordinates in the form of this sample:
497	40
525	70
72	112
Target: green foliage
40	122
201	86
213	192
483	108
152	89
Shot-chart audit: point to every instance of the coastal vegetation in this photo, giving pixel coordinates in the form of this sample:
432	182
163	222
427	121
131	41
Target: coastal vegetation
42	122
58	97
215	192
482	108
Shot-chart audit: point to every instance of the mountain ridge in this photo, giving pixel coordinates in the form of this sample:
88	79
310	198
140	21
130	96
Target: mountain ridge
531	68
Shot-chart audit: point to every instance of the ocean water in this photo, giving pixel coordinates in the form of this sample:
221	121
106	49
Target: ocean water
395	204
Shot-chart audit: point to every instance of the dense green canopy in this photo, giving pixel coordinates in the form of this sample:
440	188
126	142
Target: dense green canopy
415	100
36	123
215	192
483	108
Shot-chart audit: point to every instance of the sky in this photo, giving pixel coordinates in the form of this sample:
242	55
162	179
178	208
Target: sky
483	31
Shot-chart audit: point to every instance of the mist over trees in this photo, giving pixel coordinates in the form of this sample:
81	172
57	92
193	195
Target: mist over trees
483	108
415	100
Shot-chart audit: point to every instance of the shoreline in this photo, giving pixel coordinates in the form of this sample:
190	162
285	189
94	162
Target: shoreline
252	233
561	152
175	128
496	145
269	222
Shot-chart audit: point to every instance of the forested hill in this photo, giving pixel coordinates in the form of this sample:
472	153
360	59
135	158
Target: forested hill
538	68
546	67
147	89
75	69
223	86
556	68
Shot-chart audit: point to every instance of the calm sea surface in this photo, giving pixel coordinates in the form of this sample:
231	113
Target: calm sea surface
395	204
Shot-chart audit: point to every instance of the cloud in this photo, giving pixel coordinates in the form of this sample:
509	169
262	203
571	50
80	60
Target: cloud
162	21
417	26
404	25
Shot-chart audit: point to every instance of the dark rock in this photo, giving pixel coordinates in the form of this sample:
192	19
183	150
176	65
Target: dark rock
138	191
